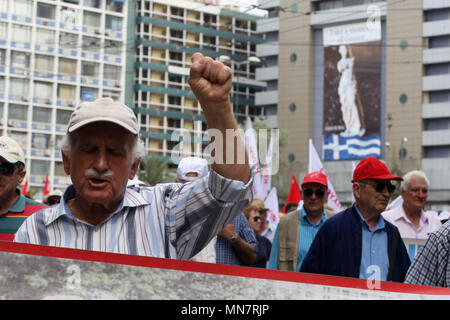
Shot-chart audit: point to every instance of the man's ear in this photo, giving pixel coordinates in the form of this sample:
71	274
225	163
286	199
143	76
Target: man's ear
134	168
21	176
66	163
356	188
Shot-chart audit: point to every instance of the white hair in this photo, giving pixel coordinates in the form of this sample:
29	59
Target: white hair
414	173
138	147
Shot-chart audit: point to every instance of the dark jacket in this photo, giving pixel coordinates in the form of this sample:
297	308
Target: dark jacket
336	249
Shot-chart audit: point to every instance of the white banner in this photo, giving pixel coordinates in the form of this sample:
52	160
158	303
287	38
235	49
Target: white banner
316	165
267	170
252	150
271	203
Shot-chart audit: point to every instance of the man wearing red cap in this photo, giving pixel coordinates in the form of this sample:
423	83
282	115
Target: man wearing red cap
297	229
358	242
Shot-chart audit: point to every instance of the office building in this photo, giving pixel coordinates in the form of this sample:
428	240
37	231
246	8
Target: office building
53	55
394	101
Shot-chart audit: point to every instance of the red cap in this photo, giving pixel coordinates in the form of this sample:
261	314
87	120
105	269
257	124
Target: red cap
372	168
316	177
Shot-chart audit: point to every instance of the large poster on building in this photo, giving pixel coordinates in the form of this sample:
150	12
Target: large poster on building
352	91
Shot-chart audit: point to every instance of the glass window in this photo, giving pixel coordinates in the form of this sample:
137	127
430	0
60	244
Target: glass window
40	141
68	40
111	72
44	36
89	69
42	90
90	44
2	88
39	167
91	19
67	66
63	116
20	33
4	6
113	47
45	11
43	63
59	168
22	7
3	30
20	59
19	87
17	112
115	95
92	3
20	137
113	23
114	5
69	15
42	114
66	92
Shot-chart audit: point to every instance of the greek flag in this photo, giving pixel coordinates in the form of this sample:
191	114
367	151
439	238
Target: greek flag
336	147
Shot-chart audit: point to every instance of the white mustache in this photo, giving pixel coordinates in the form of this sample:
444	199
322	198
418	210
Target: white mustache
92	173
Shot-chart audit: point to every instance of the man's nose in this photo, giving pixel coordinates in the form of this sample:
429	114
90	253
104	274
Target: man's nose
101	162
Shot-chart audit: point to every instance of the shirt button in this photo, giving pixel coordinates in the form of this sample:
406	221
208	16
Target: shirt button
373	251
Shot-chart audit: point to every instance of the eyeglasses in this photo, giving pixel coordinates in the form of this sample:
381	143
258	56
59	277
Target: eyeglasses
319	193
256	219
6	169
379	186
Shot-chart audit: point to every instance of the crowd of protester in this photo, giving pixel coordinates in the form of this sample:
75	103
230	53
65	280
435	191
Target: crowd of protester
208	214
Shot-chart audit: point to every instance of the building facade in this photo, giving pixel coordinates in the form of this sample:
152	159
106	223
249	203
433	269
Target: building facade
364	78
167	34
53	55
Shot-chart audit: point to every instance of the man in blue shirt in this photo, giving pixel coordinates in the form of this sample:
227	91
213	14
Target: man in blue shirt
236	243
358	242
297	229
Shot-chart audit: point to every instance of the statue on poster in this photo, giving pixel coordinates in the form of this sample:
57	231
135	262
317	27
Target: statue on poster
351	107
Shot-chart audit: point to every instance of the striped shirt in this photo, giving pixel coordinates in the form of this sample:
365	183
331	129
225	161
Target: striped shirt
168	220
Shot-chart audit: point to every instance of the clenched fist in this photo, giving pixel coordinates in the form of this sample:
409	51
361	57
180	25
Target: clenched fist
210	80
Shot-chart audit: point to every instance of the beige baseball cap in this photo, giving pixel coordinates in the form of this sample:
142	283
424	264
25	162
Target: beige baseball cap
10	150
103	109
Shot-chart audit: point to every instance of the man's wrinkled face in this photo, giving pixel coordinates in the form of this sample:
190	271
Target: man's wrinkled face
314	197
373	194
101	162
10	178
416	192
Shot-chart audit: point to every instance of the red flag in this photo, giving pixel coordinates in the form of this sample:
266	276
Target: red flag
25	187
294	194
46	186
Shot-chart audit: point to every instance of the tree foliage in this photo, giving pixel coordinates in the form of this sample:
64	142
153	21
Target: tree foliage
153	171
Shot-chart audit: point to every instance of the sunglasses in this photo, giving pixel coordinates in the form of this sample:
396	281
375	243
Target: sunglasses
6	169
256	219
379	186
319	193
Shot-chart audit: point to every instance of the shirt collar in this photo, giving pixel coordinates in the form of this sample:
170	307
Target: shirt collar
131	199
305	220
378	226
18	205
400	214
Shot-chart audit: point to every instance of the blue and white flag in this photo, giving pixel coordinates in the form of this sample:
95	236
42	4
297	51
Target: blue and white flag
337	147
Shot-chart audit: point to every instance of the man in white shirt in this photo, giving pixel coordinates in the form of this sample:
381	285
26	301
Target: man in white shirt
409	217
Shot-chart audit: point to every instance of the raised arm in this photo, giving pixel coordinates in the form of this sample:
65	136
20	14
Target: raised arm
210	81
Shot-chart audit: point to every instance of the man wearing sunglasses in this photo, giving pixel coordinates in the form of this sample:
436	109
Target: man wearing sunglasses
14	206
297	229
358	242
